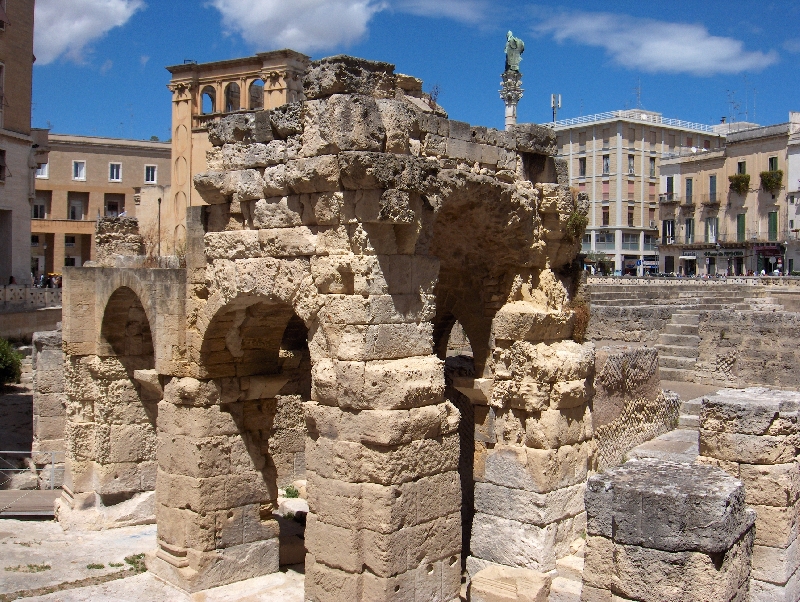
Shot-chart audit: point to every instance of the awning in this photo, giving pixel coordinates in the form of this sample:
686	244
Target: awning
688	257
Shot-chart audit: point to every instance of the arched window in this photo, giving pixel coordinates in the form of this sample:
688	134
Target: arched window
209	100
232	97
257	94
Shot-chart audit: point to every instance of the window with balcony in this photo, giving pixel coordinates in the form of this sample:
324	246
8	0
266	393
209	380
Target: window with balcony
115	172
707	144
630	242
69	240
79	171
689	141
772	226
652	167
668	232
38	210
632	135
151	174
689	227
43	171
689	190
631	190
631	165
741	232
586	243
606	136
741	167
653	138
606	164
712	189
77	203
606	216
712	226
114	204
773	163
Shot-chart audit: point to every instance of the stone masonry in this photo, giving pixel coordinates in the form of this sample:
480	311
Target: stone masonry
344	236
662	531
753	435
49	408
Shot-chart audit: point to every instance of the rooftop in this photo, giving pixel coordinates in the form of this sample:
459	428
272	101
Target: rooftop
634	115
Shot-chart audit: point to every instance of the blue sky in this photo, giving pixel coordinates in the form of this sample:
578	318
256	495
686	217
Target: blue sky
100	63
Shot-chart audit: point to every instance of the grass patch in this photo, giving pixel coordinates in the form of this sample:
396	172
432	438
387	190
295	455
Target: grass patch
291	491
136	561
28	568
116	565
94	565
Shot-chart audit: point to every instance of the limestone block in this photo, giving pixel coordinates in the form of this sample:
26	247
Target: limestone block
201	495
185	528
381	427
50	359
512	543
763	591
748	449
287	242
771	485
342	122
349	75
464	150
50	381
753	411
232	245
246	184
150	384
434	145
213	187
537	470
400	123
369	171
277	212
529	507
252	155
523	321
570	394
240	127
49	404
249	276
275	182
358	463
192	392
314	174
49	427
286	120
775	565
323	209
205	457
132	443
537	139
124	477
776	527
687	575
80	440
335	546
434	124
667	506
324	584
372	342
598	564
504	584
551	429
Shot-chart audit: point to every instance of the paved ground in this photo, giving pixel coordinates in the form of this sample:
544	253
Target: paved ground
679	445
16	427
688	391
28	502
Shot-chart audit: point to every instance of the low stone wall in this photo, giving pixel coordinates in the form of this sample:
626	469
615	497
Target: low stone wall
662	531
629	406
640	324
17	298
20	326
752	434
49	408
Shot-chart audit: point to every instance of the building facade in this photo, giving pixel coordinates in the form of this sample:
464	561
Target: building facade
85	178
21	148
616	158
733	210
202	93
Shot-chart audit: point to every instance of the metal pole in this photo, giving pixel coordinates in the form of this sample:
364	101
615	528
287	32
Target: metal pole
52	469
159	226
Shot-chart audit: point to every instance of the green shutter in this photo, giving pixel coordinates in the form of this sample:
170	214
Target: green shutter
740	228
773	225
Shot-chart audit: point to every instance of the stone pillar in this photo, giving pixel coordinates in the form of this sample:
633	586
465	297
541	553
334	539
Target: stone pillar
661	530
49	408
511	93
214	494
752	434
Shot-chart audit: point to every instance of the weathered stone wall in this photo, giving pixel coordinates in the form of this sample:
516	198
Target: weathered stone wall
666	531
117	236
629	407
752	434
640	324
49	408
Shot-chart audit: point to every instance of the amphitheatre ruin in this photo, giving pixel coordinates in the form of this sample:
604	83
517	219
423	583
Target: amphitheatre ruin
384	310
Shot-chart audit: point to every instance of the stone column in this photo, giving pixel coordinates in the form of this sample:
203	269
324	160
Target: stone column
214	500
661	530
511	93
752	434
49	408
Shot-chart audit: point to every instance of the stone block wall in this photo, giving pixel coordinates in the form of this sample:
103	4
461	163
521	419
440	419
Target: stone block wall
49	408
662	531
638	324
117	236
753	435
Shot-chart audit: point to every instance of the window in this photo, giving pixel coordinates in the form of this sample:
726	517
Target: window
257	94
606	165
630	217
150	174
606	135
209	100
43	171
689	190
711	229
79	170
631	190
232	97
630	242
4	7
604	240
606	190
707	144
2	166
632	135
653	138
671	140
652	191
741	233
689	230
651	215
606	216
772	223
115	172
689	141
2	87
69	262
34	240
582	138
586	243
650	242
668	232
741	167
69	240
631	165
652	167
114	204
38	210
76	204
712	189
773	163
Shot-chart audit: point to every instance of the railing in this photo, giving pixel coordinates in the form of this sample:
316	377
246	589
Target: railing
636	116
7	468
14	297
669	198
789	281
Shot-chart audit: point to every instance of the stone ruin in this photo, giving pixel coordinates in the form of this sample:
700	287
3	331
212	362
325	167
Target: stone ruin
307	337
343	237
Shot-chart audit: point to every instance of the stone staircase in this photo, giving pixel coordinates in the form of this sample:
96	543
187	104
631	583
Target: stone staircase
689	417
568	583
678	345
27	368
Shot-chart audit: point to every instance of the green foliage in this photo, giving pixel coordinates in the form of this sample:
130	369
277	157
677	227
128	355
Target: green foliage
740	183
10	364
771	181
29	568
137	562
94	565
576	226
291	491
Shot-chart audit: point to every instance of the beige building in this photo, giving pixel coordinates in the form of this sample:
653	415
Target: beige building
202	93
20	146
615	158
732	210
87	177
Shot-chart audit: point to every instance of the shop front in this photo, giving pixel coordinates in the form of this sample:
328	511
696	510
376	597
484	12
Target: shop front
725	262
768	258
687	263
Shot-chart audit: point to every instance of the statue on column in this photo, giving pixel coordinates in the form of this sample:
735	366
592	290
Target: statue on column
514	49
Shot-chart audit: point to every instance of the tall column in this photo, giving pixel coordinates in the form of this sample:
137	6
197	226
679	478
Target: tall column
511	93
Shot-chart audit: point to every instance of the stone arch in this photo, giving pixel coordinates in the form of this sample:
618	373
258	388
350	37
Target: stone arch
256	94
125	327
208	100
233	100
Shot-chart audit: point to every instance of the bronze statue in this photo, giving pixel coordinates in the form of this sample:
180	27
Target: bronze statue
514	49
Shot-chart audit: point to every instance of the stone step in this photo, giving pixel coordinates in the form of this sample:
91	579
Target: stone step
680	317
570	567
681	329
685	340
688	422
675	361
677	350
692	407
565	590
678	374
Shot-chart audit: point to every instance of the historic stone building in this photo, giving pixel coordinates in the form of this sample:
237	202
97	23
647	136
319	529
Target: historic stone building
86	178
21	147
339	239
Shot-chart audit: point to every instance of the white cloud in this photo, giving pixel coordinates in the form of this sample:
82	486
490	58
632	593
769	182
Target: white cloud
309	25
792	46
656	46
67	28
